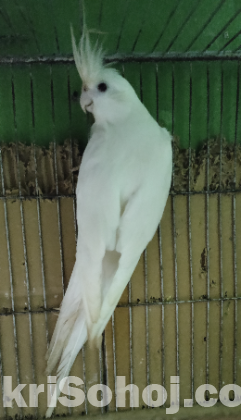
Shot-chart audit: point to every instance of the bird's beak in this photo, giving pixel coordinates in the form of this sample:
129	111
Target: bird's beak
85	101
88	106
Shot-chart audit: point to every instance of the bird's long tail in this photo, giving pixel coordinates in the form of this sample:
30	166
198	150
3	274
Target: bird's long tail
69	337
75	342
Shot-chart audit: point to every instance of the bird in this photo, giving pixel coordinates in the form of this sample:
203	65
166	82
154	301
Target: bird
122	188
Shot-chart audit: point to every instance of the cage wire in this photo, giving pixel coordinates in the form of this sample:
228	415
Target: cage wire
179	315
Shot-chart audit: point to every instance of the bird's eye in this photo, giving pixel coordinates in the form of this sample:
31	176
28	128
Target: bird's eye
102	87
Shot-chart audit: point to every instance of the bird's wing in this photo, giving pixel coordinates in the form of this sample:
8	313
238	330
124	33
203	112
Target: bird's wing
98	214
138	224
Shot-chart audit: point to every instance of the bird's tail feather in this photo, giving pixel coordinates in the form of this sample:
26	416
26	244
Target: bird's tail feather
59	340
70	333
70	309
72	345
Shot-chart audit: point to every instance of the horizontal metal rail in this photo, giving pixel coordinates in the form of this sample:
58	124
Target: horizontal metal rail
135	57
154	302
172	193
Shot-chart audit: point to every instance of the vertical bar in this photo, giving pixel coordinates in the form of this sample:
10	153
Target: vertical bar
234	237
220	240
235	291
162	313
175	247
176	283
207	233
114	357
101	375
190	237
84	373
147	324
104	369
24	239
131	343
1	365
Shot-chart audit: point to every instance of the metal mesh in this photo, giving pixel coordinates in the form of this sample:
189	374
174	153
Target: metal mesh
179	314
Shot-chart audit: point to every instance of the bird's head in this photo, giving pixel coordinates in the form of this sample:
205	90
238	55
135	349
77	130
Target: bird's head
105	93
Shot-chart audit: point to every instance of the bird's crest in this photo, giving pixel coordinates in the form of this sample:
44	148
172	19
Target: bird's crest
88	59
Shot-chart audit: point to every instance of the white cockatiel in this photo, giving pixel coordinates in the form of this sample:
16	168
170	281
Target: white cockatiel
123	185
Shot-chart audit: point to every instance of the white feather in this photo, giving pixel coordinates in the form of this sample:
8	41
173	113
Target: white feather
88	60
123	185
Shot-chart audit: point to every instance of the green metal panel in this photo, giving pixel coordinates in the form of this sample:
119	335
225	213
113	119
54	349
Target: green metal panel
42	27
194	97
